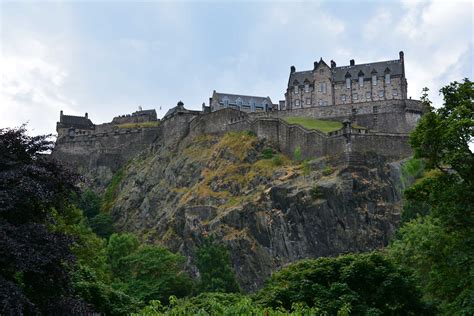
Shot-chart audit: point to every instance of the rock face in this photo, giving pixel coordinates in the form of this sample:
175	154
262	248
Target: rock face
269	212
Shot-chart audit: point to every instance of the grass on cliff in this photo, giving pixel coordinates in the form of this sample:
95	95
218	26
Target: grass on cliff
310	123
112	190
139	125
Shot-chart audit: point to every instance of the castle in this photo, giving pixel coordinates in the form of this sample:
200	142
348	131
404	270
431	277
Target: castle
369	99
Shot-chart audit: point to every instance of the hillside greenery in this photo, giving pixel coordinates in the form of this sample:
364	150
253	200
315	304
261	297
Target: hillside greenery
324	126
59	252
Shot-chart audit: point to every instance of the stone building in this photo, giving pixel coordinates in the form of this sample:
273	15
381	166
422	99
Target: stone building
70	125
244	103
331	85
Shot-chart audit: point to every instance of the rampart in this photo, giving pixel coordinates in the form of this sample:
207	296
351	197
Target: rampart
387	123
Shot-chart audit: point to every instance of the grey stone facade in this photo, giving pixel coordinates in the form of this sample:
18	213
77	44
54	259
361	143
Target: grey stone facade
245	103
331	85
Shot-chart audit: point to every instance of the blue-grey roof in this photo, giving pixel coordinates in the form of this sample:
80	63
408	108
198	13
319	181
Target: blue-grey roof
395	68
75	121
246	99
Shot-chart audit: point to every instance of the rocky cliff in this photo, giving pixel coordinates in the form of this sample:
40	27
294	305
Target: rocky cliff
270	211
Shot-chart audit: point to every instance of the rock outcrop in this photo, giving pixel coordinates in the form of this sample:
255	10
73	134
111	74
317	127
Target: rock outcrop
269	212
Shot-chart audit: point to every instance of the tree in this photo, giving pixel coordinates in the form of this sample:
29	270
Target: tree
155	273
439	246
215	269
360	283
34	259
119	247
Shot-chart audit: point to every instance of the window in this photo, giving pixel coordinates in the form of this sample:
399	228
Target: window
348	83
395	92
375	109
367	95
321	71
239	101
387	78
306	88
355	96
297	102
321	103
308	101
322	87
296	90
374	80
361	81
343	98
325	102
381	93
226	102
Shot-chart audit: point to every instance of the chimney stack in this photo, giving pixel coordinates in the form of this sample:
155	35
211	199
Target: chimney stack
60	113
333	64
292	69
401	55
87	115
315	65
352	62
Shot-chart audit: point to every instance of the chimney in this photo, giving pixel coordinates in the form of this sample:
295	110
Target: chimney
333	64
401	55
87	115
352	62
60	113
292	69
315	65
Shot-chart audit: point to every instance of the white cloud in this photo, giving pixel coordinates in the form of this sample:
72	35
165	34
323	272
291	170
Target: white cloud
438	36
30	91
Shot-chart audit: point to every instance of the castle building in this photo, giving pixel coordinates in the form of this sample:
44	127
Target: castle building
331	85
70	125
244	103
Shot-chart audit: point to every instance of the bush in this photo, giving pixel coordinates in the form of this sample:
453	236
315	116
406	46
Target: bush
328	170
297	154
315	193
276	160
267	153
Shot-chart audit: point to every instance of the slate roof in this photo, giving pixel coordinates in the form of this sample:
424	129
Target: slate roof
246	99
339	73
395	67
76	121
301	76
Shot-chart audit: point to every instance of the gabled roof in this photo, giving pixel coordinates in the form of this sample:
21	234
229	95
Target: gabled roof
246	99
145	112
394	66
300	77
75	121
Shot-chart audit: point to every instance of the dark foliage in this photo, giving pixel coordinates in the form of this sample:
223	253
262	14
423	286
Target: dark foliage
213	262
363	283
33	258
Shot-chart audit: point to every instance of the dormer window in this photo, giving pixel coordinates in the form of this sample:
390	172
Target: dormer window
348	83
374	80
387	79
239	101
226	101
306	87
296	90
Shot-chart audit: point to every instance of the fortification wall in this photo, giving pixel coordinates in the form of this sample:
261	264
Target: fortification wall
103	153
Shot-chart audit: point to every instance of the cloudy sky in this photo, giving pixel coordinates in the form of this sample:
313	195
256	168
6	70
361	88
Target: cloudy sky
108	57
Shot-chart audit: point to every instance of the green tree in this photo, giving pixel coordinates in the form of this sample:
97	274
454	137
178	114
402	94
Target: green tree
90	203
439	247
155	273
362	284
216	273
119	247
102	225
